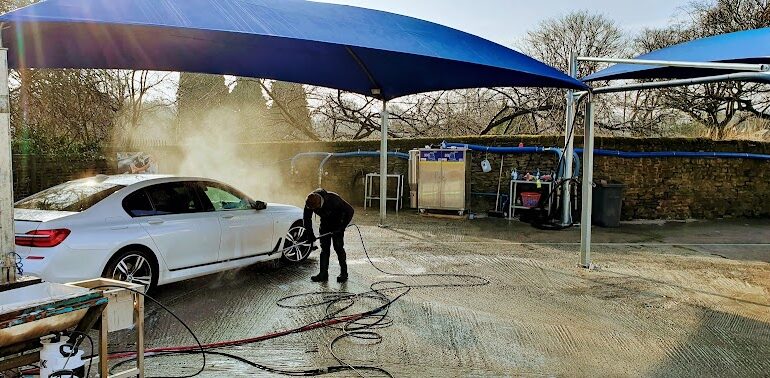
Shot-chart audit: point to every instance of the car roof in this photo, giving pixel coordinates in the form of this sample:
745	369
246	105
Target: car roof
133	179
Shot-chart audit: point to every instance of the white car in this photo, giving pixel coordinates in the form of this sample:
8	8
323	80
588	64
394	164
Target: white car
150	229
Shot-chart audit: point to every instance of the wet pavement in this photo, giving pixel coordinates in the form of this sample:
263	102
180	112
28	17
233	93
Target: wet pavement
673	299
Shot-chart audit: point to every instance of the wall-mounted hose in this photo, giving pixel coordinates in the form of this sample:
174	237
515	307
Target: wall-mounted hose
328	155
676	154
522	150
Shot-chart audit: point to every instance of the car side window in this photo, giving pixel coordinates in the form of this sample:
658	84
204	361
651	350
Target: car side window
174	198
224	198
137	204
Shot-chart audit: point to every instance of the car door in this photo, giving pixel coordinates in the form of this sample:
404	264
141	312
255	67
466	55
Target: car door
185	234
246	232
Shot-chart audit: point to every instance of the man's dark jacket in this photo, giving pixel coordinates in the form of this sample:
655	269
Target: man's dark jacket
335	213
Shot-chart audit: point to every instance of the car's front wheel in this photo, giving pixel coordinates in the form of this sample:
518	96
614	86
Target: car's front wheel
296	248
134	266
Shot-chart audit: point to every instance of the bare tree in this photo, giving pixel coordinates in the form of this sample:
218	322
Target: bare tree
9	5
290	108
481	111
725	16
134	88
541	109
341	115
716	106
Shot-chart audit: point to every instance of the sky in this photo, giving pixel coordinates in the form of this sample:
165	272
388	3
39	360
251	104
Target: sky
506	21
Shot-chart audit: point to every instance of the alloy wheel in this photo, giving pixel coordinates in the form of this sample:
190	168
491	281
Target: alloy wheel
135	269
296	248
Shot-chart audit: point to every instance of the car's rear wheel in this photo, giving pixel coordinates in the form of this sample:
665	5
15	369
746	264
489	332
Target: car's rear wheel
296	248
134	266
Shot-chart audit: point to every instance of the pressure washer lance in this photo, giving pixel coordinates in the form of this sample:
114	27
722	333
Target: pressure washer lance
306	243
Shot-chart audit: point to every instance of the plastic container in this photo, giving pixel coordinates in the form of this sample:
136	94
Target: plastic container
607	204
530	199
58	357
486	166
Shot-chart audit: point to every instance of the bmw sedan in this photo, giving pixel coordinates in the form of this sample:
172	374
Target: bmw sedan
151	230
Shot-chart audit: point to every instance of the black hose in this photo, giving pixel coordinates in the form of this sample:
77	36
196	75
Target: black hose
76	344
383	293
202	351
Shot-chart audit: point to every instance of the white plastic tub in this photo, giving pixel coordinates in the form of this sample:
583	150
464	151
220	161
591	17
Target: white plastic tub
25	308
34	295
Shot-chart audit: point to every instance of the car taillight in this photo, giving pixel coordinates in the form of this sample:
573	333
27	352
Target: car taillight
42	238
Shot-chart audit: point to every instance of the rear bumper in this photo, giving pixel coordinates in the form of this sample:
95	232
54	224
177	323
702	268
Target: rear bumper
62	264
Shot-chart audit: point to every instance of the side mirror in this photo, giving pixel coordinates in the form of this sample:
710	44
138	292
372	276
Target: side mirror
258	205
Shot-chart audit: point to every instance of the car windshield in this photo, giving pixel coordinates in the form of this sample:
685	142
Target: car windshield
74	196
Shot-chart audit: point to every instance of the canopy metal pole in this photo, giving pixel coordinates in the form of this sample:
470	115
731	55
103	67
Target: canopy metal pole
755	77
588	185
569	142
384	165
8	267
675	63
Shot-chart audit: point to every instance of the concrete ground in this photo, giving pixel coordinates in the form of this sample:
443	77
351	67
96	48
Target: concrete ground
669	299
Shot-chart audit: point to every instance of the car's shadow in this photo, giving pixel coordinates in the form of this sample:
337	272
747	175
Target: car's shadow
258	275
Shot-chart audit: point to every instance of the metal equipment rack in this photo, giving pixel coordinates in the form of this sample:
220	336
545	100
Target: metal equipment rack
514	190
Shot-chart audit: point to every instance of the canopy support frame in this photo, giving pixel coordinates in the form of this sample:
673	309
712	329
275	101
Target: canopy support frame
384	164
744	67
588	183
751	73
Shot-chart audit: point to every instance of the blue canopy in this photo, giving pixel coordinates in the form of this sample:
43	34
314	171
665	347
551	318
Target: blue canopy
342	47
750	46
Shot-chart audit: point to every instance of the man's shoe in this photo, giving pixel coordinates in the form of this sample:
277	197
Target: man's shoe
342	278
320	277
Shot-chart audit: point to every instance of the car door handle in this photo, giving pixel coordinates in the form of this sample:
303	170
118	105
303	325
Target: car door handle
228	216
159	221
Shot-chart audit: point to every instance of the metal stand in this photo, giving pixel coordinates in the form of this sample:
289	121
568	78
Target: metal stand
104	363
513	191
369	190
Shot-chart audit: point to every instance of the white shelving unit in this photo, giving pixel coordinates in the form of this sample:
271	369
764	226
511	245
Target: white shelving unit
369	192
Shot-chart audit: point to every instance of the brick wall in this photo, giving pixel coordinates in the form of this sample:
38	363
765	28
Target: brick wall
671	188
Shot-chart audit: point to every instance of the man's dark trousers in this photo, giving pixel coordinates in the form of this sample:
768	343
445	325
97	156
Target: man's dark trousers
338	240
